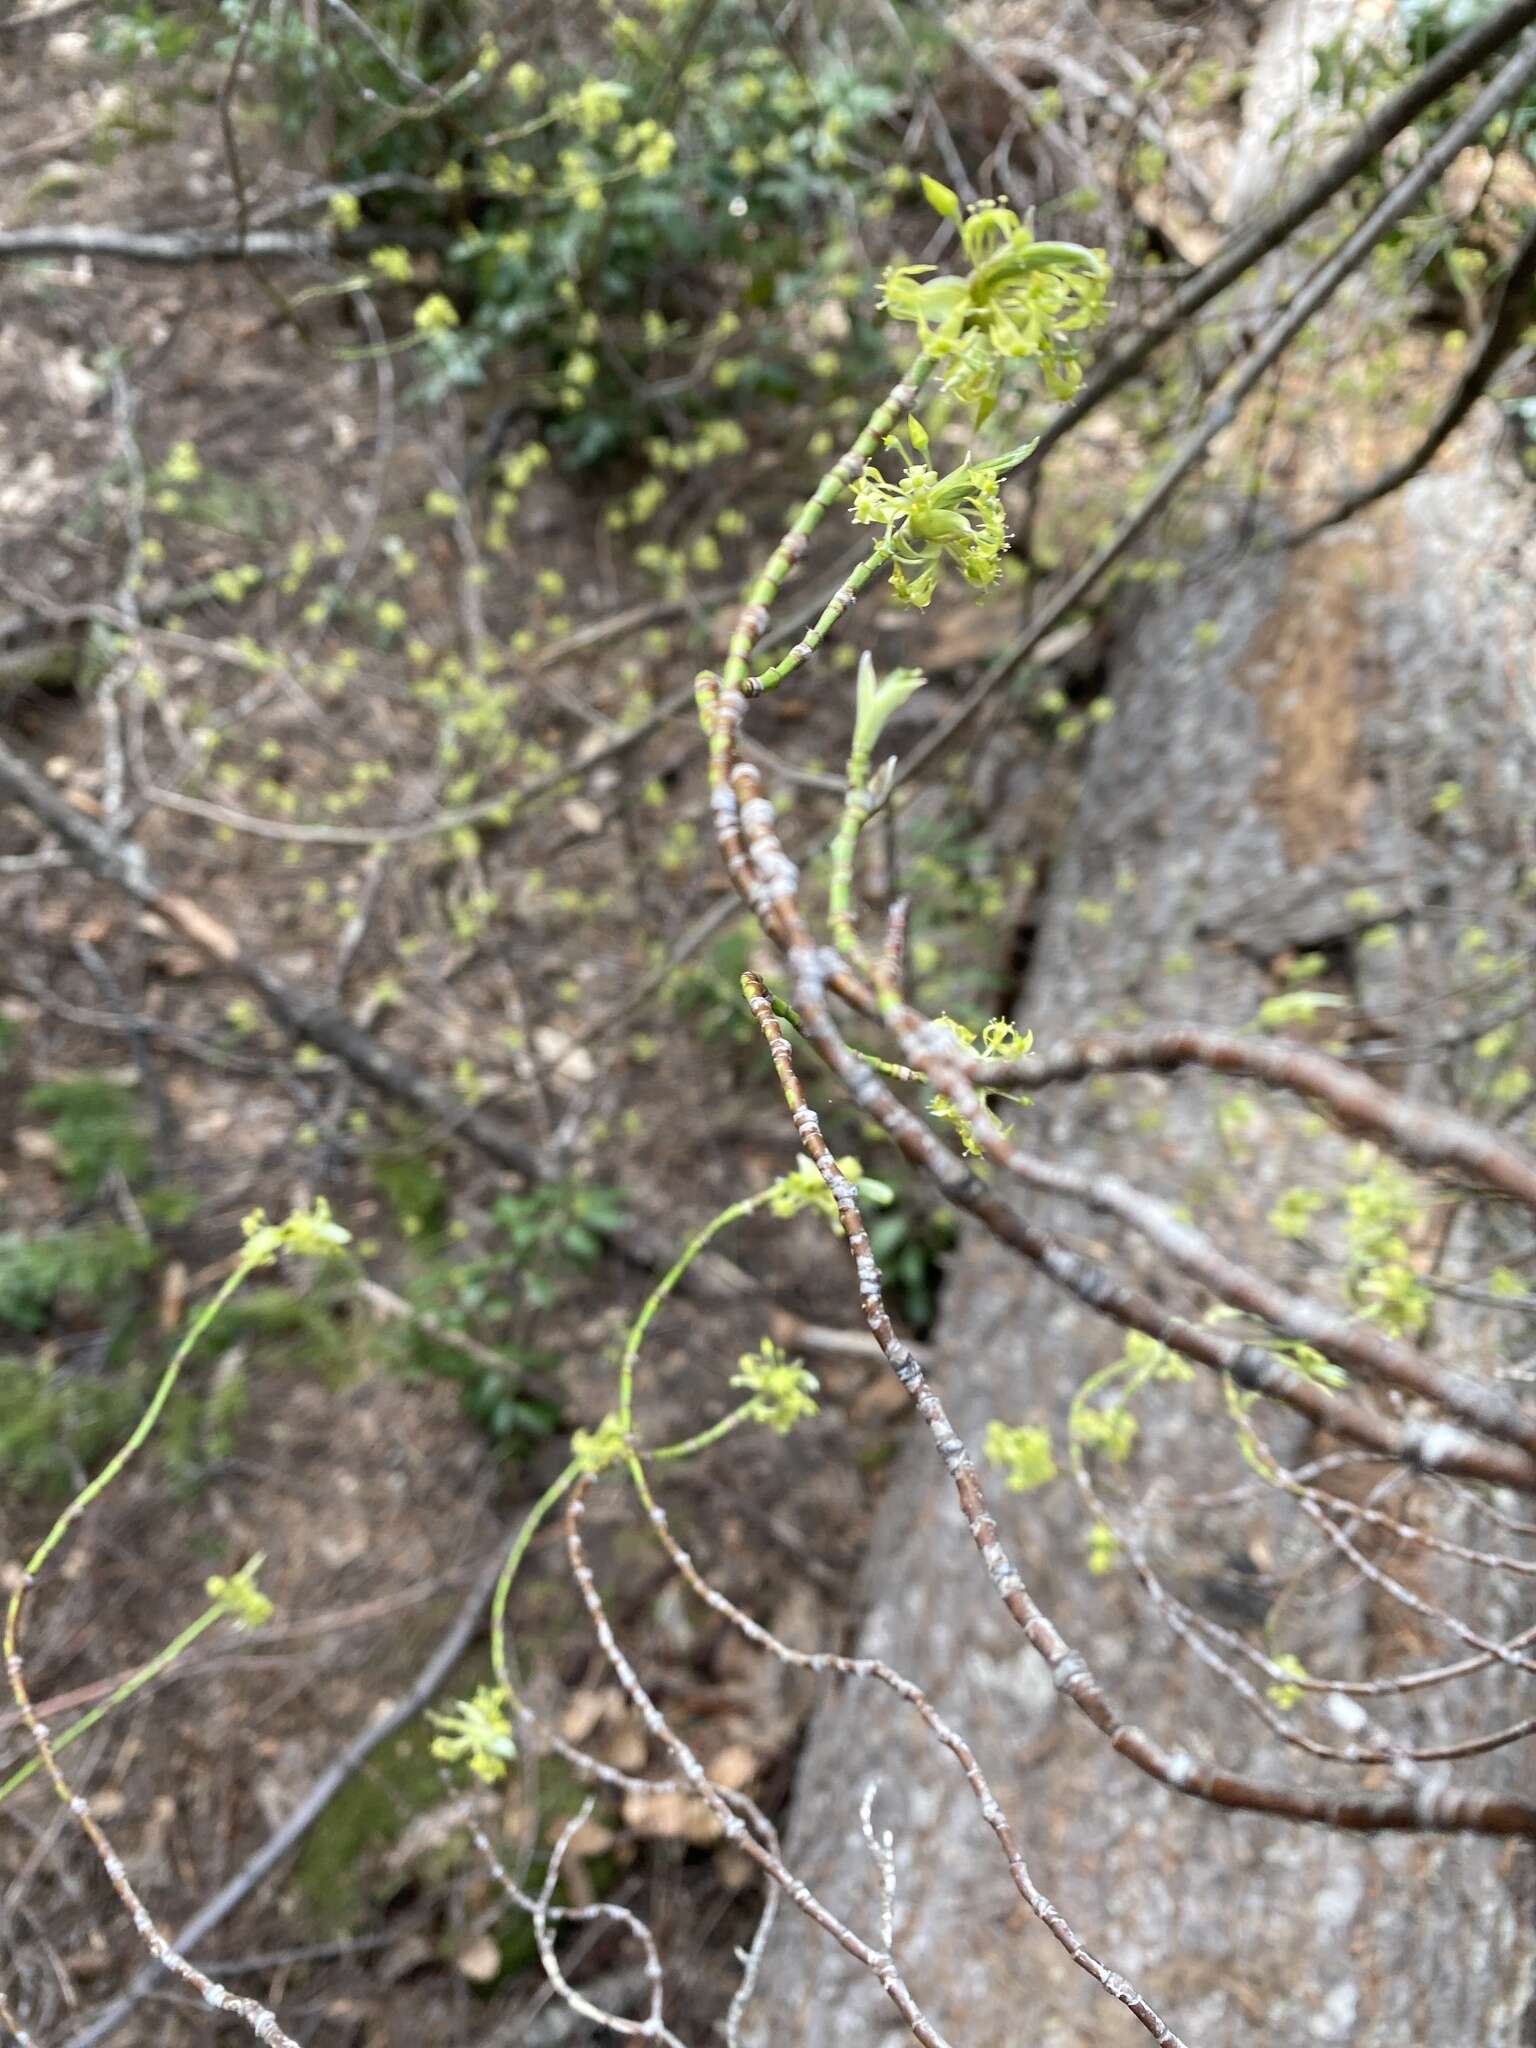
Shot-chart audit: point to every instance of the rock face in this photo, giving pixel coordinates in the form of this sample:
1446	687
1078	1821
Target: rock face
1284	119
1282	725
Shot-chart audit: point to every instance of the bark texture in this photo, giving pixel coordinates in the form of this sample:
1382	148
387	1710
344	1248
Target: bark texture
1283	722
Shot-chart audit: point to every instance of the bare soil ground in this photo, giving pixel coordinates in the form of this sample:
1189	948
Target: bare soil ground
374	1499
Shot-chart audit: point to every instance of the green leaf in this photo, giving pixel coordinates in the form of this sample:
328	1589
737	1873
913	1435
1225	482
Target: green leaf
941	199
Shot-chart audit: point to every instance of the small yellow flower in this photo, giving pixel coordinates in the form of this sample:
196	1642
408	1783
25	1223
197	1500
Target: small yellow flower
182	466
1022	300
392	263
435	314
239	1596
782	1390
308	1233
478	1732
1022	1453
594	1450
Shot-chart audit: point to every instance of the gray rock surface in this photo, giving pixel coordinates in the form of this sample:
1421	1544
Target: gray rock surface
1282	723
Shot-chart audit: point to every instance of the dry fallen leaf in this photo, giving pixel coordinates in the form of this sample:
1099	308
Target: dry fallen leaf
479	1960
566	1057
582	814
736	1871
626	1750
735	1767
583	1711
590	1839
670	1817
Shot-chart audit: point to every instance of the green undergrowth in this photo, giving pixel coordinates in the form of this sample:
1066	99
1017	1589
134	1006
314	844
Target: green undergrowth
344	1873
80	1336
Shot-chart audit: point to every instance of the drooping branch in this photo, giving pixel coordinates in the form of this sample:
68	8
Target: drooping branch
1427	1809
1418	1131
912	1695
287	1836
880	1965
1502	90
132	245
768	882
1501	334
1437	1446
1458	60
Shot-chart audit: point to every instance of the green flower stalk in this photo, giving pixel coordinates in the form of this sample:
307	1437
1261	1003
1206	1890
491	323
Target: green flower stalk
877	699
1023	301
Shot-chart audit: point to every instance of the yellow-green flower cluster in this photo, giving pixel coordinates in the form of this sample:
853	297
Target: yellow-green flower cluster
930	519
649	147
517	472
595	105
308	1233
1285	1692
1022	1454
436	314
240	1597
392	263
1112	1430
1022	301
804	1188
783	1392
182	465
594	1450
1379	1210
478	1732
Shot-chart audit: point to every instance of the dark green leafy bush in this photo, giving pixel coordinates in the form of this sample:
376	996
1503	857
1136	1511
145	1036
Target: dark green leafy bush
97	1127
89	1268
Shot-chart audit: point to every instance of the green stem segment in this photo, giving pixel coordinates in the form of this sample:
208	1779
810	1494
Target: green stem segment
549	1498
161	1661
94	1488
791	1016
705	1437
842	600
792	547
858	804
664	1287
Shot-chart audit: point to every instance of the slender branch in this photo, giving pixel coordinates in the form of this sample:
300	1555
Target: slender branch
1430	1809
1500	336
1506	85
880	1965
280	1843
913	1695
130	245
1419	1131
1387	121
